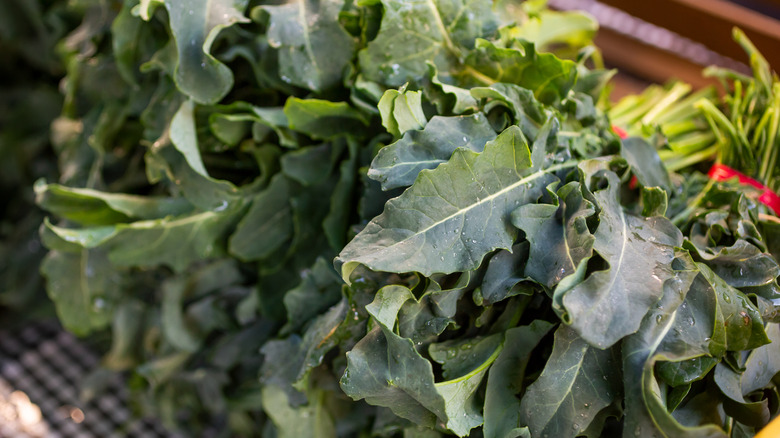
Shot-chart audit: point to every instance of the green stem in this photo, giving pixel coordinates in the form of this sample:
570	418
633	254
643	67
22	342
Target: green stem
481	77
677	91
685	126
692	142
640	110
682	216
674	165
769	159
476	370
625	105
685	109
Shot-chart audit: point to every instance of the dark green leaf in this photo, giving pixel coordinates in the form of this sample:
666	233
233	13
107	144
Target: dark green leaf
84	300
578	381
645	163
605	307
322	119
549	77
398	164
267	225
92	207
737	322
505	380
195	25
415	33
647	415
386	370
314	50
528	113
558	234
740	265
448	208
504	271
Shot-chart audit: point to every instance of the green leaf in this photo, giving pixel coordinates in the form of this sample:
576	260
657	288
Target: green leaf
127	32
505	380
655	201
752	413
184	136
174	327
127	326
763	363
639	252
323	120
311	420
504	271
336	223
424	320
740	265
291	361
83	285
453	215
267	225
690	336
528	113
401	111
319	290
201	191
578	381
313	164
646	413
737	322
162	368
414	33
195	25
399	164
462	404
549	77
175	242
314	50
179	326
459	357
74	240
548	28
447	98
386	370
644	161
92	207
558	234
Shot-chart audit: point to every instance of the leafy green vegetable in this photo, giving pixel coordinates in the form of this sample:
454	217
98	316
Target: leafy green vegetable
398	164
314	49
576	385
387	218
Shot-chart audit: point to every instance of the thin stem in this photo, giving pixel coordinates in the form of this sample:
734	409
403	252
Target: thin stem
481	77
678	90
682	216
673	165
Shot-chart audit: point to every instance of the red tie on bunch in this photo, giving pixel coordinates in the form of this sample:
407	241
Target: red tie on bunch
721	172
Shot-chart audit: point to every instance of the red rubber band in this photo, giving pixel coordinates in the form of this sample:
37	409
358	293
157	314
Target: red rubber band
721	172
620	132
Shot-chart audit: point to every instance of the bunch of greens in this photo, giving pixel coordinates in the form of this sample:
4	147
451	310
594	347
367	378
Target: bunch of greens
739	130
495	275
671	111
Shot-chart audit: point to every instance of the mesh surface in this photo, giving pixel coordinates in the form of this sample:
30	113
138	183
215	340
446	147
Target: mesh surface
41	368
